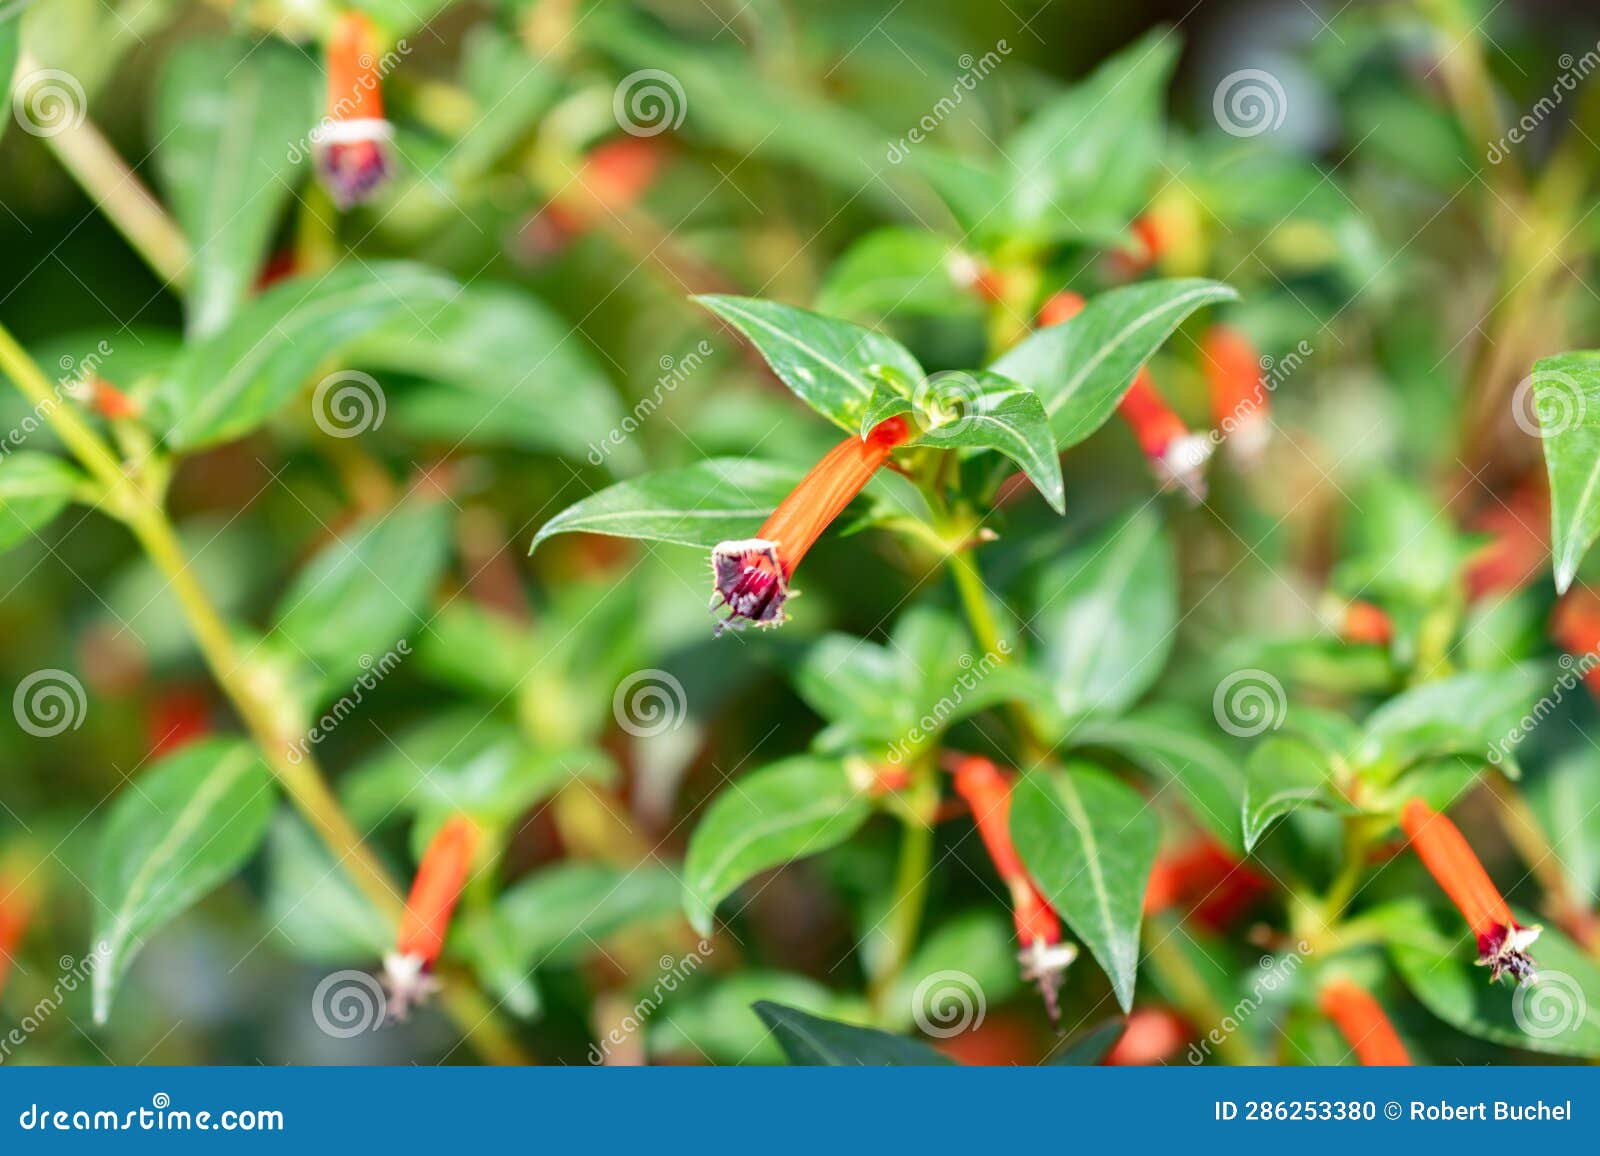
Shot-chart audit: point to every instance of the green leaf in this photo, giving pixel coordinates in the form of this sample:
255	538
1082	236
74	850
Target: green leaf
1084	164
34	488
1091	1047
1106	615
981	411
179	829
700	505
362	596
1089	842
501	368
1284	774
1558	1015
896	272
225	386
1403	546
1567	799
1479	713
312	904
793	808
1566	392
813	1042
831	365
231	126
1168	743
1081	368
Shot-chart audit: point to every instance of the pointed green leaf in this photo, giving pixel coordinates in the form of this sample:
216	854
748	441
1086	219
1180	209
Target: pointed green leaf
793	808
361	597
717	1023
815	1042
1090	1047
34	488
1089	842
699	505
896	272
1482	714
232	119
501	369
175	832
225	386
1081	368
1566	392
312	905
985	411
831	365
1282	775
1106	615
1559	1015
1084	164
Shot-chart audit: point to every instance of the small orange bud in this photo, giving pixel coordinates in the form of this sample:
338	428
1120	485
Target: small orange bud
18	900
443	872
1366	624
1444	851
1044	957
1519	546
1238	397
1060	307
353	141
1575	626
1152	1036
1362	1022
751	575
1177	456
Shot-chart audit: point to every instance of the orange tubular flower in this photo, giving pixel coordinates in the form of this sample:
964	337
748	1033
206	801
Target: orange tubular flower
353	150
1362	1022
1238	398
751	575
1152	1036
1518	548
1366	624
1177	456
1044	956
1502	942
441	875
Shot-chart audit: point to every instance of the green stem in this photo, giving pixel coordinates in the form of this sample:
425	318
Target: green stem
259	699
121	196
1188	991
910	893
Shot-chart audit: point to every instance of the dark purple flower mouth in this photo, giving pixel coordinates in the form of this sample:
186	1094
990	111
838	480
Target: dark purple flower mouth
1504	952
354	161
749	581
